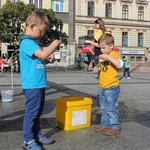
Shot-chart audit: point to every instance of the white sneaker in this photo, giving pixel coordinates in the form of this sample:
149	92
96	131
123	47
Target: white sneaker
123	78
128	78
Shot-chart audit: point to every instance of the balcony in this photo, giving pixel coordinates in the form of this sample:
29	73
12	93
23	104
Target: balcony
91	1
144	2
127	1
111	0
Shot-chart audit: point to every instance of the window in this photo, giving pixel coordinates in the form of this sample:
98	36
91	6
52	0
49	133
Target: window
30	1
139	58
37	3
13	1
108	10
132	58
125	11
140	39
58	5
90	33
40	3
90	8
124	38
140	13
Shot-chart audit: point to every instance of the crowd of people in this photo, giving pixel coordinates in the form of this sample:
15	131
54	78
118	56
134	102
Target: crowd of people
8	64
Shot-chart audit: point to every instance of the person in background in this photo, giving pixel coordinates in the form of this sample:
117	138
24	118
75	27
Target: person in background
86	62
109	88
101	29
126	67
1	64
79	60
6	65
33	60
16	64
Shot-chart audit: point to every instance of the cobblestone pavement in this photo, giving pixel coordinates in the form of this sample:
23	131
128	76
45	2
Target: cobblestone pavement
134	112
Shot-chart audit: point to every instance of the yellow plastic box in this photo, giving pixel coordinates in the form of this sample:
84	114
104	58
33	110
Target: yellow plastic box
73	112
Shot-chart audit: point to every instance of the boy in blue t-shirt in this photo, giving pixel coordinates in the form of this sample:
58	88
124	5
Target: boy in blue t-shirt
33	78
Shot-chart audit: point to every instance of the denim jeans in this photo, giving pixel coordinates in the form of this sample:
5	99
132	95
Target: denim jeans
35	99
108	104
96	61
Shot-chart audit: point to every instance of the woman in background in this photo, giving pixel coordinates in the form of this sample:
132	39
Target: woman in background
100	26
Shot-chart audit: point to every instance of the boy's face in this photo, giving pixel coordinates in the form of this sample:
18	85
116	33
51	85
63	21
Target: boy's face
36	30
105	48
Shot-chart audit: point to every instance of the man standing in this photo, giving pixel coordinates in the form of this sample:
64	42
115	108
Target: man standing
126	67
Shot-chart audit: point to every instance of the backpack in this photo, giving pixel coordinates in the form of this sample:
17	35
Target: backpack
79	59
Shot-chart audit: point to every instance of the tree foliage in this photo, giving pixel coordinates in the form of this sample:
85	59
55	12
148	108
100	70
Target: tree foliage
13	16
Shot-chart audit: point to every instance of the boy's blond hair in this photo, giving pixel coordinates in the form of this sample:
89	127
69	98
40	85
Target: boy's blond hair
108	38
38	18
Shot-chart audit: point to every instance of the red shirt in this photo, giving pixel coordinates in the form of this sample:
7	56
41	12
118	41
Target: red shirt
1	62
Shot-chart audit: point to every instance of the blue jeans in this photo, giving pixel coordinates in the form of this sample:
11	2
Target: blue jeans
35	100
96	61
108	104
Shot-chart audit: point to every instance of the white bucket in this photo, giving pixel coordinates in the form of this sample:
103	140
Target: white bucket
7	95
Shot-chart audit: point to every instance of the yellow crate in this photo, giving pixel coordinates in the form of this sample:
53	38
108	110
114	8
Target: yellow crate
73	112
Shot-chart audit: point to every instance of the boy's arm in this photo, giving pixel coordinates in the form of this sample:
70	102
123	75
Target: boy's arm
117	62
43	54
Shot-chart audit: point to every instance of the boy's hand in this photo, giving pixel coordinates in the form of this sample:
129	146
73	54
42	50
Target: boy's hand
58	42
95	69
104	56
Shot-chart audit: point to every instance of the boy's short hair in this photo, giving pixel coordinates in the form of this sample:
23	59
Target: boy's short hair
37	17
108	38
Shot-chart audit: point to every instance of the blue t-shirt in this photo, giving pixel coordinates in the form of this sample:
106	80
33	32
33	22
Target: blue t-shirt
32	69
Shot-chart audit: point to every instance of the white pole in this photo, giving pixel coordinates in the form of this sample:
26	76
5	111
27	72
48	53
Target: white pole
12	82
11	64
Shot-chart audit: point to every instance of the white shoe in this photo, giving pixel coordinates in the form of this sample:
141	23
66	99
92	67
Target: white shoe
123	78
128	78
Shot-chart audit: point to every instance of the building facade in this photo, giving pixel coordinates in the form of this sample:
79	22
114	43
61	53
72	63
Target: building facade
128	21
63	9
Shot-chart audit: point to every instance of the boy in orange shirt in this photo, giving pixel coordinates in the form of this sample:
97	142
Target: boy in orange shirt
109	88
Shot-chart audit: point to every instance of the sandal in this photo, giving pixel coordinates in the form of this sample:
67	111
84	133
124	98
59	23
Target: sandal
31	145
44	140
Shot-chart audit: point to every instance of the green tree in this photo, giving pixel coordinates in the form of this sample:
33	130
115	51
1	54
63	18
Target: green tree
13	16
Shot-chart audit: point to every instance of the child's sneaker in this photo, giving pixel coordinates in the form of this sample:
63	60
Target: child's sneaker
44	140
31	145
128	78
